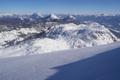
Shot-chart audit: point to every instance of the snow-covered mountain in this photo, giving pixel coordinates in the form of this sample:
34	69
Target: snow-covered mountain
83	35
51	17
11	37
26	20
69	18
27	41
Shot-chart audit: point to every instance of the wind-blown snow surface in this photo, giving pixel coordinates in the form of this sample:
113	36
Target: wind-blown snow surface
76	64
59	37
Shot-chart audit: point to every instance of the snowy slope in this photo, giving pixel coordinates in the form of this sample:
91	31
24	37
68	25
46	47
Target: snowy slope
37	46
77	64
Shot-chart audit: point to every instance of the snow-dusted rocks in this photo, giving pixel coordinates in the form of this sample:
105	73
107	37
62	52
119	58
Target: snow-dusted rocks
14	35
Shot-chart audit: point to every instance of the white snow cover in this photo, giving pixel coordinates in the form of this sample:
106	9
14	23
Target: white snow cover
53	16
36	46
49	45
71	17
83	35
59	37
77	64
7	36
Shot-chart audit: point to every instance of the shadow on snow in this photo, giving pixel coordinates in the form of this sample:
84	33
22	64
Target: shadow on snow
105	66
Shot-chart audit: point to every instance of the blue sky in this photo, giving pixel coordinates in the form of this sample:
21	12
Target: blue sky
60	6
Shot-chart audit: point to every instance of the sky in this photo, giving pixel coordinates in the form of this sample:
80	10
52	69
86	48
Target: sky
60	6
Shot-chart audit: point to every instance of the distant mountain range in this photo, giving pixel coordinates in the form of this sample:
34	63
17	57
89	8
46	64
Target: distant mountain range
111	21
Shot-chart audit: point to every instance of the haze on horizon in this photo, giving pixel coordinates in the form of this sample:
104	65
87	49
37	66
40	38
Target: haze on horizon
60	6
